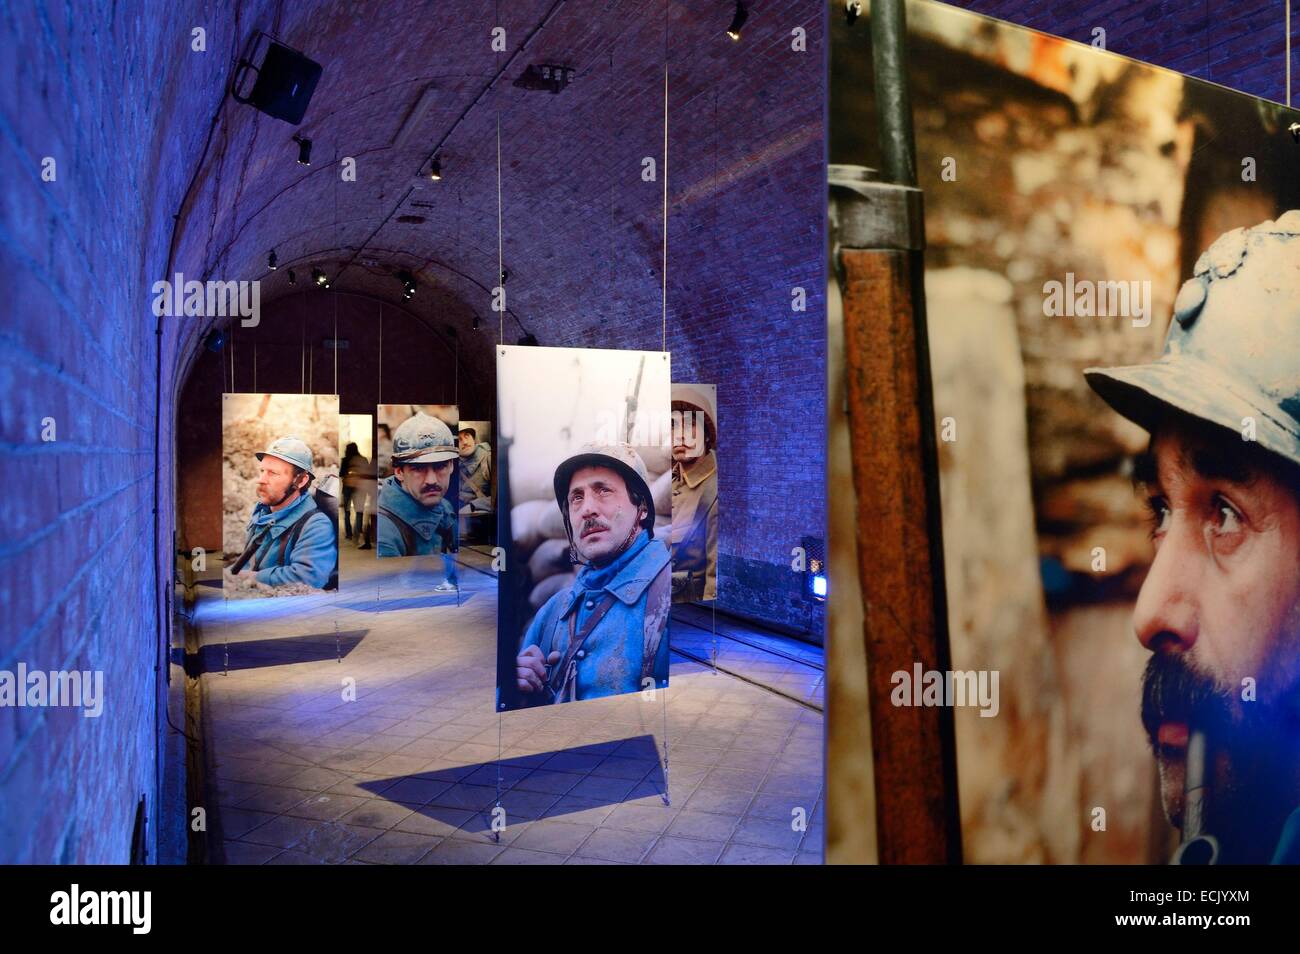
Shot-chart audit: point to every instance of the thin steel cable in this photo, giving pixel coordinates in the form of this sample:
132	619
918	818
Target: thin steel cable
500	256
664	172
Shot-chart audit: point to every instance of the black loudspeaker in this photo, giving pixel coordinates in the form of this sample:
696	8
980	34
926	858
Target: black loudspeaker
285	81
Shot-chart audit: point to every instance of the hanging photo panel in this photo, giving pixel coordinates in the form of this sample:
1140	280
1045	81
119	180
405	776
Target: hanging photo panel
477	501
584	491
280	492
415	506
695	492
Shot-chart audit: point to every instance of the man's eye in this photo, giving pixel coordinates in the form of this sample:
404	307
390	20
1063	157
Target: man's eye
1226	517
1158	515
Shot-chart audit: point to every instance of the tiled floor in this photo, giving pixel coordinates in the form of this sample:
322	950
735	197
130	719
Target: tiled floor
408	772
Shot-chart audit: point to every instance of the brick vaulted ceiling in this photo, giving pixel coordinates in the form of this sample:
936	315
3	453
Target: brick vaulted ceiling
581	231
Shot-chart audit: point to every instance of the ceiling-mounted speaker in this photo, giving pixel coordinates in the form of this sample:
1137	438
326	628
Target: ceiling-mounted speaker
285	80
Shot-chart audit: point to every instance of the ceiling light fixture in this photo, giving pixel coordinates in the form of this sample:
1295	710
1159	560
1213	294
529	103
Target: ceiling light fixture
304	150
272	262
435	170
408	284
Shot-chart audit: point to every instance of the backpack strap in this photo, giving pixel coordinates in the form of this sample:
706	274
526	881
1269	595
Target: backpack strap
405	529
290	537
564	677
655	627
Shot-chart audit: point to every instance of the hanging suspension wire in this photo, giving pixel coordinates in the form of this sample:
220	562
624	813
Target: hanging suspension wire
501	290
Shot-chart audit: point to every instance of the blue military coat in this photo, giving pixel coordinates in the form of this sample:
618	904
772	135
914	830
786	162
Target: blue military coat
613	659
429	524
312	557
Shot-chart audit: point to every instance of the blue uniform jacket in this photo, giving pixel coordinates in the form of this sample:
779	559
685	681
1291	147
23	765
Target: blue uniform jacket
425	521
312	557
612	655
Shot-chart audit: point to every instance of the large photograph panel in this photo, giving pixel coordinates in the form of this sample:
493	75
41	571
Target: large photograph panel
584	490
416	499
1111	284
695	492
280	490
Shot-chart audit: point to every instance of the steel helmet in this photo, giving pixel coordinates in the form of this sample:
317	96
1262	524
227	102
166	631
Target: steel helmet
1233	348
423	439
621	458
291	449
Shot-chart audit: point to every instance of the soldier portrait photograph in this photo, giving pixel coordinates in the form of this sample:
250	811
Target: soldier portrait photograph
281	490
415	511
588	578
1105	292
1219	609
695	492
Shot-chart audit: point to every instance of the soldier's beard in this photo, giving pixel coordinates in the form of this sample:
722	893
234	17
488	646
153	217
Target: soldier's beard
1253	782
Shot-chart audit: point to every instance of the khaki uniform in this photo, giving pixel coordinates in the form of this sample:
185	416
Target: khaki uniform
695	529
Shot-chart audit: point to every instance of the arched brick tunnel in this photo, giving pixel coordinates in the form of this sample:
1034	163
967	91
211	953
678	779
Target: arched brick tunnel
159	171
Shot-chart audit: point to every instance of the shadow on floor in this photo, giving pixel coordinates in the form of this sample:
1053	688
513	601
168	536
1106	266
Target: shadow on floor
259	653
530	784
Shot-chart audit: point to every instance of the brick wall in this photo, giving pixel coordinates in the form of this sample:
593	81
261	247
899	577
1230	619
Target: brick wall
97	87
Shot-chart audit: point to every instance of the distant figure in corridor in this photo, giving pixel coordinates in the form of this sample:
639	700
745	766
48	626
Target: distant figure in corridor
607	634
289	538
415	516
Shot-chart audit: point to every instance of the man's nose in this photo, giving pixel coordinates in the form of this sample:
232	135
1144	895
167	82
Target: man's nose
1167	609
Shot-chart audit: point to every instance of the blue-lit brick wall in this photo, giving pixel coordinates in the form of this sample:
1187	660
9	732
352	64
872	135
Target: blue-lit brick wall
114	96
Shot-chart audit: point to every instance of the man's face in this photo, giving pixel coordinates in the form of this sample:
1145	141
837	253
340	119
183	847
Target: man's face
601	513
688	432
274	478
467	443
427	483
1220	606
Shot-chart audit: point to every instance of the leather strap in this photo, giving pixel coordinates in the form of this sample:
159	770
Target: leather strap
249	550
560	675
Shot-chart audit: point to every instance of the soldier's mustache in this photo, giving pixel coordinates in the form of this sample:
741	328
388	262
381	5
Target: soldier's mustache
1173	692
590	524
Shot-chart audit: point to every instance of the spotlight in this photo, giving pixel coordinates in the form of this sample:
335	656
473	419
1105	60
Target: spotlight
476	322
505	275
293	279
216	340
738	21
1294	129
320	278
272	262
408	284
435	170
304	150
852	8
